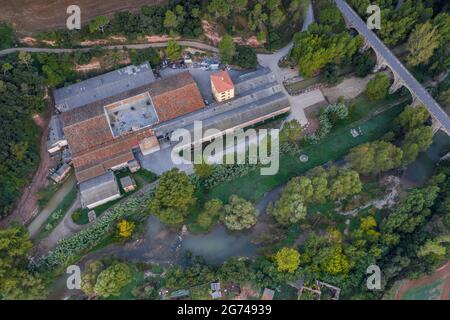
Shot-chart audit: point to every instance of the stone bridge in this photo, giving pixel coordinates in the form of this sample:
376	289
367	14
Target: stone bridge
402	77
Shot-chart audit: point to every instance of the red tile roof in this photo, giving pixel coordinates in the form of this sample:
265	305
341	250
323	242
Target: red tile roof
93	146
90	163
175	96
222	81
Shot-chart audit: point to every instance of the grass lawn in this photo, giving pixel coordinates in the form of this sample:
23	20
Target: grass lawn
80	216
336	145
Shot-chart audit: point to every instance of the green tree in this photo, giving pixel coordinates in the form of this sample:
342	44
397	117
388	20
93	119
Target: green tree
291	132
220	8
276	17
170	20
319	183
98	24
345	184
413	117
367	231
245	57
375	157
363	64
336	262
416	141
6	36
378	87
125	228
239	214
411	211
25	58
331	74
89	278
211	211
317	47
203	170
173	50
331	15
421	44
16	281
111	280
6	67
140	56
173	196
291	207
287	260
227	49
239	5
435	246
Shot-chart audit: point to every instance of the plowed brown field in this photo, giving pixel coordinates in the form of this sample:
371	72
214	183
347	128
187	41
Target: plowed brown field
30	16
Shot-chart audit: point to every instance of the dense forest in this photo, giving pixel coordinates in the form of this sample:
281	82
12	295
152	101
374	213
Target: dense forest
273	22
21	96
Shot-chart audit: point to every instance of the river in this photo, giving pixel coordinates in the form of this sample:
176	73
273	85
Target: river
420	170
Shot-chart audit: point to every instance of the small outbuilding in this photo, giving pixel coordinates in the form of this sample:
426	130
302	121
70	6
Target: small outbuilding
61	173
134	165
55	139
128	184
99	190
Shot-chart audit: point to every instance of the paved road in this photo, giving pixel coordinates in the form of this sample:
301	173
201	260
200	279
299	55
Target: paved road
410	82
271	61
186	43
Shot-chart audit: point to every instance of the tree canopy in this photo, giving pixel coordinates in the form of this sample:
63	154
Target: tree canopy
287	260
239	214
378	87
111	280
173	196
317	47
227	49
375	157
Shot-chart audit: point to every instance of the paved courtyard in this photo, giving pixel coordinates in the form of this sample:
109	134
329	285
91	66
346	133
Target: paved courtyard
160	161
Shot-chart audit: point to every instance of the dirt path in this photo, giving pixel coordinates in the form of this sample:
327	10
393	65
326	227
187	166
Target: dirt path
441	273
63	230
184	43
27	206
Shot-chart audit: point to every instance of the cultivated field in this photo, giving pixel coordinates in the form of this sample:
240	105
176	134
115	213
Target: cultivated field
29	16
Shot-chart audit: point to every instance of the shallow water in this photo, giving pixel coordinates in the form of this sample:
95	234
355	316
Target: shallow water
420	170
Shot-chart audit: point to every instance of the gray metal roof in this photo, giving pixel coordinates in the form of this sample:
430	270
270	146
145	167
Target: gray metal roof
257	94
55	133
127	182
103	86
98	188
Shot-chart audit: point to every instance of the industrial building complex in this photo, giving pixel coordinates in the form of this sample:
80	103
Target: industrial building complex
106	120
